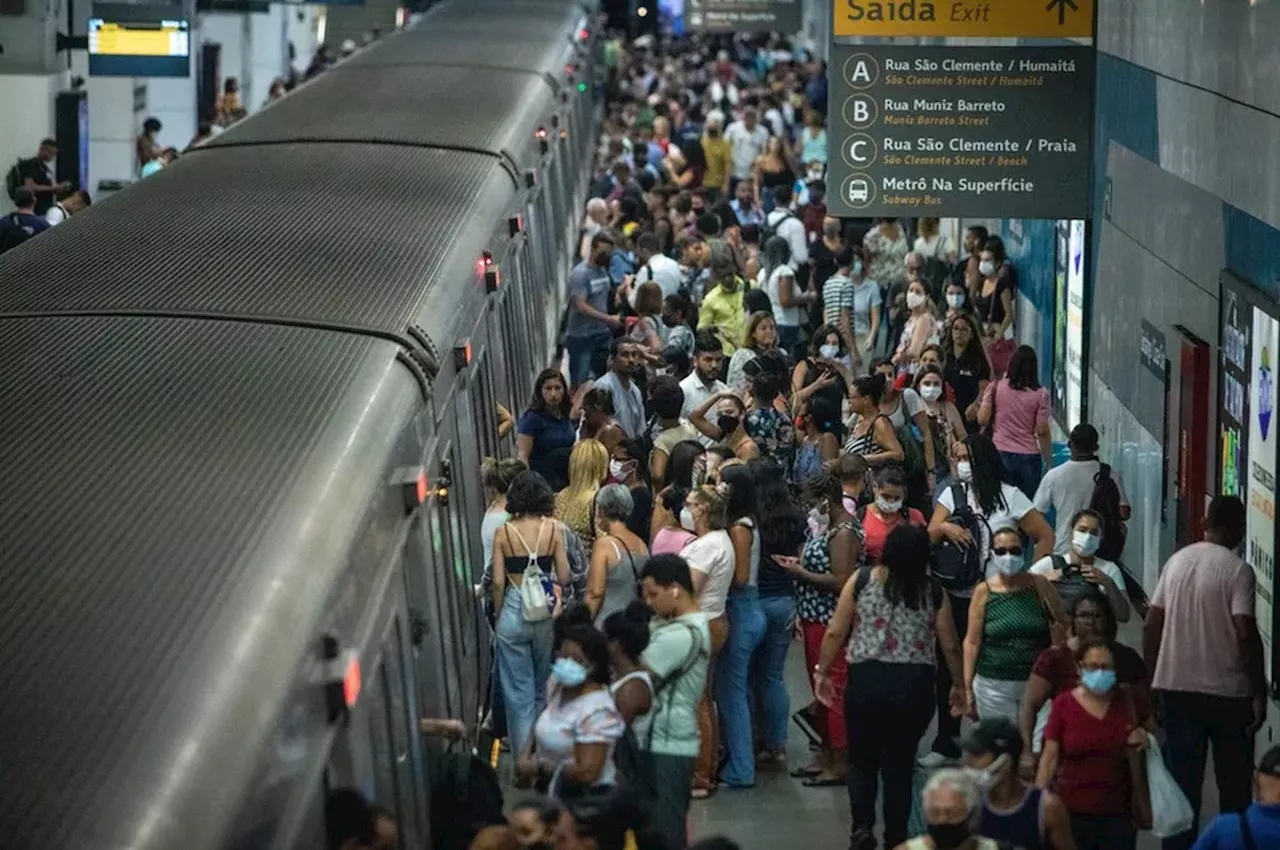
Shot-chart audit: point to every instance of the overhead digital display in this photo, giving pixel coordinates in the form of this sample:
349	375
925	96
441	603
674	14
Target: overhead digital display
128	40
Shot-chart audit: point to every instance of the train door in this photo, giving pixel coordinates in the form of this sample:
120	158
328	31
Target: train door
462	499
379	751
429	617
1192	418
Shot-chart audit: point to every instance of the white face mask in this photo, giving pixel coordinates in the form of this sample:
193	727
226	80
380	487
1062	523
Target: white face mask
930	392
964	470
616	469
987	777
1007	565
887	507
686	520
830	352
956	300
915	299
1085	542
987	267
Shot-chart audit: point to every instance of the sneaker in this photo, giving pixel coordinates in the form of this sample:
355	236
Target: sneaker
934	760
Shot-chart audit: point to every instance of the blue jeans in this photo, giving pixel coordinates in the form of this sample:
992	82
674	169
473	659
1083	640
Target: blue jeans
1023	471
581	351
524	663
746	631
789	338
775	702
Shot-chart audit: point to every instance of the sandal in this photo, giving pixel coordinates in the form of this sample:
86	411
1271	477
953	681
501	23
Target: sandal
701	792
818	781
806	772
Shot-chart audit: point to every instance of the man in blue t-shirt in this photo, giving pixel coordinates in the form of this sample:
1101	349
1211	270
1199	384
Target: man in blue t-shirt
19	226
1257	827
589	326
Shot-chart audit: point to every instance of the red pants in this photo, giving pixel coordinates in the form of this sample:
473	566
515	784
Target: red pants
831	721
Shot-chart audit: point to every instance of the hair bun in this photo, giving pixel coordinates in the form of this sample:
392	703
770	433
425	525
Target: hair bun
638	612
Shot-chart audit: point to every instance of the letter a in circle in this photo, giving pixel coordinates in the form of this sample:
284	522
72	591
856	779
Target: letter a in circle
861	71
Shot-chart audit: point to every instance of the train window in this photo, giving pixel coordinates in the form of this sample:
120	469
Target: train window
516	334
447	628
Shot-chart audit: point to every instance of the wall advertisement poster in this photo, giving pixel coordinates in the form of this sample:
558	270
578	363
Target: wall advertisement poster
1260	530
1075	326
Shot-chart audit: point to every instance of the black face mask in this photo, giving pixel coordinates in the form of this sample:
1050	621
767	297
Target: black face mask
948	836
728	424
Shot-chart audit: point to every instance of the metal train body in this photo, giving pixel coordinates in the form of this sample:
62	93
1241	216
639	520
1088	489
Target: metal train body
224	392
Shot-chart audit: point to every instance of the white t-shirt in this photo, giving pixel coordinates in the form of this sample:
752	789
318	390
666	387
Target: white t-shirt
1017	505
1067	489
712	554
789	226
936	247
695	394
789	316
747	145
590	719
909	405
1045	566
663	271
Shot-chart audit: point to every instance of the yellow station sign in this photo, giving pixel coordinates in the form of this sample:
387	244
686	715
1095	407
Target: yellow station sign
966	18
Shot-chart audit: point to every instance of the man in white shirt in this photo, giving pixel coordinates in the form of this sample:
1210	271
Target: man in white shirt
748	139
70	201
704	381
787	224
655	266
1068	488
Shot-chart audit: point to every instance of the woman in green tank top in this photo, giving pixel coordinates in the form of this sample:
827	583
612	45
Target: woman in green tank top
1013	617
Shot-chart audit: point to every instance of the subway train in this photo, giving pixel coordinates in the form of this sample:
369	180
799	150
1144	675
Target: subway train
244	404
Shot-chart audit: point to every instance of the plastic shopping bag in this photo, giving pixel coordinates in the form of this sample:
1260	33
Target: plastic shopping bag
1170	810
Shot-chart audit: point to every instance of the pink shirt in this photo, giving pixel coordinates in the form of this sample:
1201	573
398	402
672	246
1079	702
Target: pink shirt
669	541
1201	587
1017	415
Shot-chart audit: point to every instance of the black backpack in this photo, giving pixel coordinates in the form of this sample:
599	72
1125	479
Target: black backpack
1106	501
1072	585
13	181
769	230
959	568
465	798
14	235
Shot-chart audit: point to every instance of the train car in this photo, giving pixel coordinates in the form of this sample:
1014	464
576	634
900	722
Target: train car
245	403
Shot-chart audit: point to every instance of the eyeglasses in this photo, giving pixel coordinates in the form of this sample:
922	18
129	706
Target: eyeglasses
1087	615
1000	550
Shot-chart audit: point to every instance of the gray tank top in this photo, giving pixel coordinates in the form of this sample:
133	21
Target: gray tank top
620	581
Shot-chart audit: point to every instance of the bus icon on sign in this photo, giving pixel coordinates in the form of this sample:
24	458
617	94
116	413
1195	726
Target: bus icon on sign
858	190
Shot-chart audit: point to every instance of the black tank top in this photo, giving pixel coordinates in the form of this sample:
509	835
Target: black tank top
1021	827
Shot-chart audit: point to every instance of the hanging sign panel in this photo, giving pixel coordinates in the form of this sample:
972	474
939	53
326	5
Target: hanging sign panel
973	132
734	16
979	18
1260	529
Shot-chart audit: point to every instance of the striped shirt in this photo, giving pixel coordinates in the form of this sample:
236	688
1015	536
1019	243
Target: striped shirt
837	295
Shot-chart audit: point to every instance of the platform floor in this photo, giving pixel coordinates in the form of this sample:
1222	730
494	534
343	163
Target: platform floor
779	813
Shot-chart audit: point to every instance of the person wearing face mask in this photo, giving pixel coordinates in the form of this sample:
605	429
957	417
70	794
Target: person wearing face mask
1013	617
887	512
824	371
588	471
831	553
952	805
1056	671
946	424
1090	729
1081	567
887	624
919	330
589	325
711	558
993	302
957	300
571	753
727	429
1013	811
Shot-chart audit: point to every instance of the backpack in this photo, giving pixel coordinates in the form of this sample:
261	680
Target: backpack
535	600
1072	585
911	440
465	798
1106	501
13	181
959	568
770	230
13	235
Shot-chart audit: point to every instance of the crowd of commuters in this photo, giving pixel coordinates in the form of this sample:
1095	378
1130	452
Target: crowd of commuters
775	422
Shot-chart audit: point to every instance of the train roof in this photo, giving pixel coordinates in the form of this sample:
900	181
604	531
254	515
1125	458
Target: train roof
175	504
356	236
416	105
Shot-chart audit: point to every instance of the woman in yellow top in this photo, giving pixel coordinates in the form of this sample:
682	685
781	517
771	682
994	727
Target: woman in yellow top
588	470
721	308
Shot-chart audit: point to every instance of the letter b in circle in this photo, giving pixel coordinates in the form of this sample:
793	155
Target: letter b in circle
860	111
